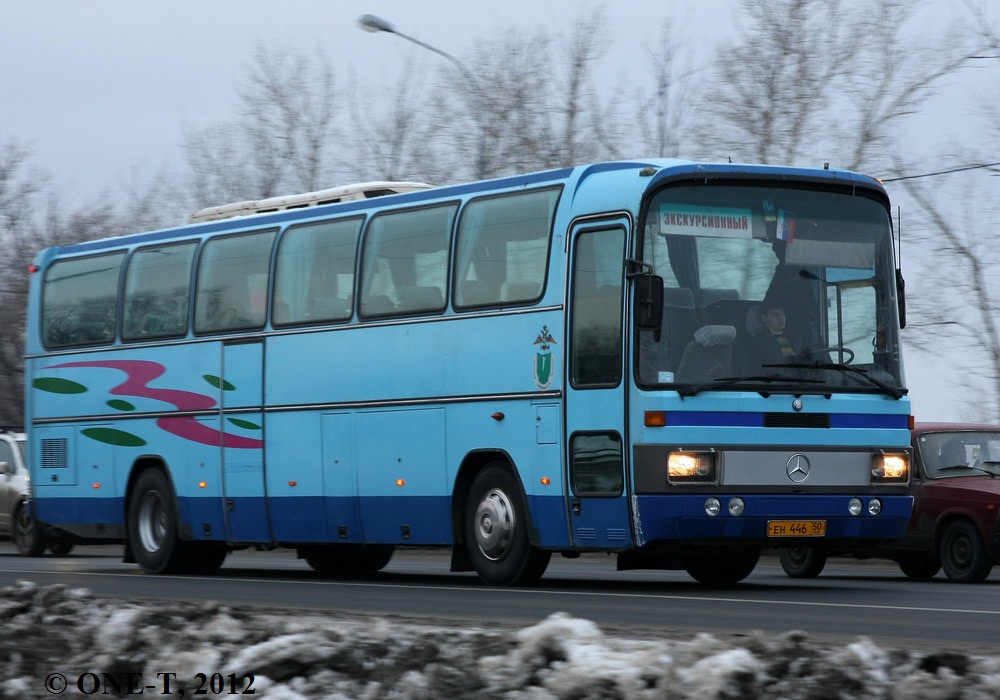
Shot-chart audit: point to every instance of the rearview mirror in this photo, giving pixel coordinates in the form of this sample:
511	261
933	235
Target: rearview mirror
647	302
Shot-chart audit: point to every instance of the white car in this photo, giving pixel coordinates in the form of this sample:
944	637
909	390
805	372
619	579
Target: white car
16	521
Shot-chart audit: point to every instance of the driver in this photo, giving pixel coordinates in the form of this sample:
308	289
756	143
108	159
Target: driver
772	344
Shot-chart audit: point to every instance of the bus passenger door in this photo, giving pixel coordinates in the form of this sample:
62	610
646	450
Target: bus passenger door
241	390
597	487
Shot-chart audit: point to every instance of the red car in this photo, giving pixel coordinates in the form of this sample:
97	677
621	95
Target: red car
955	526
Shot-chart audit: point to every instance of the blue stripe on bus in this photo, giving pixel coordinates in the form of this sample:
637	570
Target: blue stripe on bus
868	420
306	518
661	518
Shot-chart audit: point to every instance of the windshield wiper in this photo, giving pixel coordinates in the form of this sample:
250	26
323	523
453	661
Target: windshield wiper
724	382
894	392
966	466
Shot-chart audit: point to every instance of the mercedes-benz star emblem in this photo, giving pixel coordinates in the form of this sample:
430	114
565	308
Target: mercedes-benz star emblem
797	468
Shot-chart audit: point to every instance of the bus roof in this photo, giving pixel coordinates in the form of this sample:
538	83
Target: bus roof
283	210
331	195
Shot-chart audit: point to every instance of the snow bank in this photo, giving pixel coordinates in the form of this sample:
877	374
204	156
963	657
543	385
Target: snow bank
60	641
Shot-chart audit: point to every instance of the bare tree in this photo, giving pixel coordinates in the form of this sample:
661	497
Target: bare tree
663	108
955	303
282	140
817	78
395	141
32	218
541	109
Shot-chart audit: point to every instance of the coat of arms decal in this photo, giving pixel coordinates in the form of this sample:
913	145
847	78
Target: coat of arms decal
544	363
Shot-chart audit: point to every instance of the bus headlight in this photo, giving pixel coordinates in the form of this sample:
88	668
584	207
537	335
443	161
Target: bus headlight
854	506
688	467
891	467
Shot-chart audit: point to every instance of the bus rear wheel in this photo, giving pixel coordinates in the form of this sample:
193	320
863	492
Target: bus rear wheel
339	559
722	567
496	531
152	524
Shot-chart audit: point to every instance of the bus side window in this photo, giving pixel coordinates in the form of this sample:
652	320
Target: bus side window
80	300
156	291
232	283
404	261
503	247
596	324
314	272
596	464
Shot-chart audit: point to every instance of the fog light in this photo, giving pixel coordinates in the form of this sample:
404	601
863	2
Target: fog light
736	506
712	506
874	506
854	506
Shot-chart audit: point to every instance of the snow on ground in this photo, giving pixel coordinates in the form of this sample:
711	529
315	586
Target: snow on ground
57	641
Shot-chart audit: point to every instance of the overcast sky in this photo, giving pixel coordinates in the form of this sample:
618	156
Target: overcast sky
101	88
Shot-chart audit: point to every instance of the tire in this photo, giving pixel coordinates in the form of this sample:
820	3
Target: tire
722	567
919	568
346	559
802	562
201	557
60	545
26	533
496	531
963	556
152	525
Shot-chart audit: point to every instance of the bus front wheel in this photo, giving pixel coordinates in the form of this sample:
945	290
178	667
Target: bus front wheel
496	531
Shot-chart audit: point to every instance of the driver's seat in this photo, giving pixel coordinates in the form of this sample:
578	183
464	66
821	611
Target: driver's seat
952	454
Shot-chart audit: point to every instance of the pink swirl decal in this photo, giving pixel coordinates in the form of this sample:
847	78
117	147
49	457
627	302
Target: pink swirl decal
140	373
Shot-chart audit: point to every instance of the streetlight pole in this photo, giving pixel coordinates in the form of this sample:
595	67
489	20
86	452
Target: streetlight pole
371	23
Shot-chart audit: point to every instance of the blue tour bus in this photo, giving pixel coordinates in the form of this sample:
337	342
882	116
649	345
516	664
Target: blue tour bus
558	362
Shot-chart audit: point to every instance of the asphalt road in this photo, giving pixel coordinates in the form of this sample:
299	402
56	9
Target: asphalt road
850	599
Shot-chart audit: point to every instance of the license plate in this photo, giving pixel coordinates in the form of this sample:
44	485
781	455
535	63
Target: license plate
796	528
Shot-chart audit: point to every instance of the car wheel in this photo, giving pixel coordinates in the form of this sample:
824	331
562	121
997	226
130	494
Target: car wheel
496	531
963	556
920	567
802	562
26	533
722	567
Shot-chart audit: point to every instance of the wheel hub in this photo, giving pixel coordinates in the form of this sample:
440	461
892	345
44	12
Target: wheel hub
494	524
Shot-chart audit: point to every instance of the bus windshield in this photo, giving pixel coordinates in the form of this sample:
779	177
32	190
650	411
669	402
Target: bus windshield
768	286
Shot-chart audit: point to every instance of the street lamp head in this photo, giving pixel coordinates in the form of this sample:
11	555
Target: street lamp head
371	23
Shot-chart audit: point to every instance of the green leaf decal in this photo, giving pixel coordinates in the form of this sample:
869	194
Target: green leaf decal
58	386
120	405
245	424
114	437
218	382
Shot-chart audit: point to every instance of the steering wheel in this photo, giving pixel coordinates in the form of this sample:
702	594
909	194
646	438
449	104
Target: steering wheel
839	349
